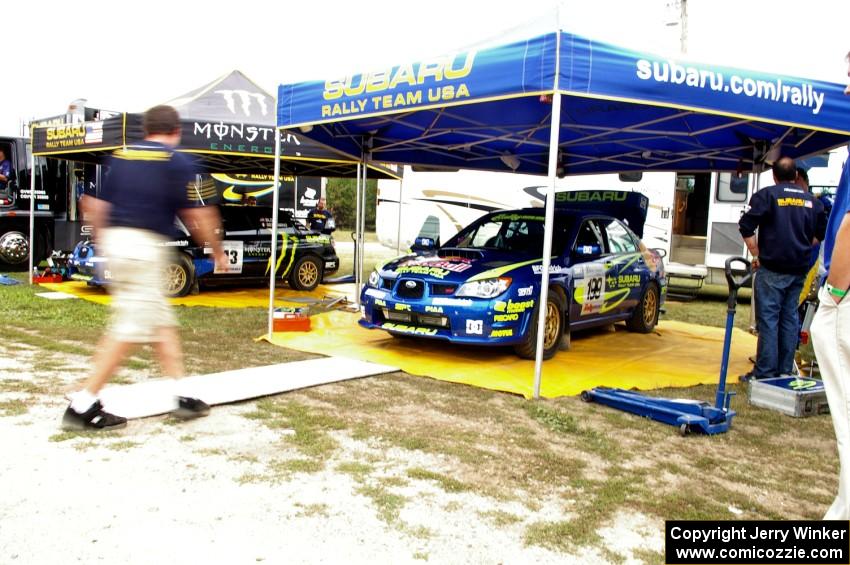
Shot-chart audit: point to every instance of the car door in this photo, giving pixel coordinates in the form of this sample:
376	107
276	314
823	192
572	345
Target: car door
239	239
590	271
256	231
628	273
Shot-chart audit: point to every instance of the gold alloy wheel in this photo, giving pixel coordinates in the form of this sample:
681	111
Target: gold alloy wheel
175	278
650	305
550	334
308	273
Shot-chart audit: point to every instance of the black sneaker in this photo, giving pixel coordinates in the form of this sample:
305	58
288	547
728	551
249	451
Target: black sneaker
747	377
95	418
188	408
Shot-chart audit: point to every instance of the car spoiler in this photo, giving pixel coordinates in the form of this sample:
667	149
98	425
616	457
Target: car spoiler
630	207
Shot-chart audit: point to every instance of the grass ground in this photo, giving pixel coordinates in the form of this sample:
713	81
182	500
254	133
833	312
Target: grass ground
596	462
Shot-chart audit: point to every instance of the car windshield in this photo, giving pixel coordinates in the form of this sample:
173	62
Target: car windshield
509	231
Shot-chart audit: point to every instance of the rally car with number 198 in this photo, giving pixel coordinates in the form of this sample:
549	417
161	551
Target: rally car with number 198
304	257
483	285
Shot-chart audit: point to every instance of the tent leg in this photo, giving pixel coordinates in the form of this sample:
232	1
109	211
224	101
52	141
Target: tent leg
32	215
357	236
275	207
398	235
753	322
547	239
361	227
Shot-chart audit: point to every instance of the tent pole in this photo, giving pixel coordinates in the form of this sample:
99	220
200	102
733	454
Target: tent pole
361	226
275	206
398	235
356	234
753	321
32	213
547	238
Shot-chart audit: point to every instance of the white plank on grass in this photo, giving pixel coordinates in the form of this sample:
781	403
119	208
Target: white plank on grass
154	397
55	295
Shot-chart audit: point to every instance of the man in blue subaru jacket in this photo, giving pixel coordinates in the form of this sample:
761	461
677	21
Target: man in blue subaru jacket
789	221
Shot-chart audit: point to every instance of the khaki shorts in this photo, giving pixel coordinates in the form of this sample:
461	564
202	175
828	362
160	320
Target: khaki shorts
137	260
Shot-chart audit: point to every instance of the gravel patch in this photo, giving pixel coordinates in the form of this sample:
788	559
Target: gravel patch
206	491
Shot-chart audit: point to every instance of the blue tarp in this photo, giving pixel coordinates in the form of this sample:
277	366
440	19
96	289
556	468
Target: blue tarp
621	110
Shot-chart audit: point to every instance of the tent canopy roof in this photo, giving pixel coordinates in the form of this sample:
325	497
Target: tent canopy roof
228	125
621	110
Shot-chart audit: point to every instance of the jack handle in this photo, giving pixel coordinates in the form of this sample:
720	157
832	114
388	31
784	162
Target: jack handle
734	282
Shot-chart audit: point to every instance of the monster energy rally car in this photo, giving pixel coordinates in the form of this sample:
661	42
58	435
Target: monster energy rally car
304	257
483	285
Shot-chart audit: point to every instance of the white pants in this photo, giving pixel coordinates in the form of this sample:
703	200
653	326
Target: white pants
831	339
137	259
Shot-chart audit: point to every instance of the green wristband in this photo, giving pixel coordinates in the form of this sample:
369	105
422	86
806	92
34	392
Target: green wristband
835	291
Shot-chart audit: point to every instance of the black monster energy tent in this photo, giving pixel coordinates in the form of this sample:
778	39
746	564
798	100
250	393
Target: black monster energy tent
228	126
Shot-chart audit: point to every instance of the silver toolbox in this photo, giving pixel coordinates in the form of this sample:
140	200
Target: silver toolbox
798	397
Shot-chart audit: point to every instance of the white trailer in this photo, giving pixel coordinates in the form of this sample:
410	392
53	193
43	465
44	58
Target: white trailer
692	217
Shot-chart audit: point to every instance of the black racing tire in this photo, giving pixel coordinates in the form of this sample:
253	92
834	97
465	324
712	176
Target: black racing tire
42	247
555	307
645	315
306	273
179	276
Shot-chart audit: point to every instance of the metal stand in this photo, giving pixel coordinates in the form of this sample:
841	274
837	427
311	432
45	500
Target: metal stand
688	415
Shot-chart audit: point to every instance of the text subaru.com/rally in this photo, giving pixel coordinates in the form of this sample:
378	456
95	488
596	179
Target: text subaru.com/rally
483	285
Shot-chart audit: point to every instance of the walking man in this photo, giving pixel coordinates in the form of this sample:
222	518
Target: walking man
789	222
145	187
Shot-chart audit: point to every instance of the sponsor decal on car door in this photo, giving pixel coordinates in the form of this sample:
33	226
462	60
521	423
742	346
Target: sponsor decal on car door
589	272
628	273
235	251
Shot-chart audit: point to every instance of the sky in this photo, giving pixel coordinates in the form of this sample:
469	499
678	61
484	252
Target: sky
123	58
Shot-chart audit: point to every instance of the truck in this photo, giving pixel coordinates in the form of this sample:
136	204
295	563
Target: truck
54	209
60	183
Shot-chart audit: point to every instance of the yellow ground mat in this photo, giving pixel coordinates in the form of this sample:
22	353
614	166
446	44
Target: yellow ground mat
676	355
225	298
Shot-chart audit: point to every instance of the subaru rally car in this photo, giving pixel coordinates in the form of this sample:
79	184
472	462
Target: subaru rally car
304	257
483	285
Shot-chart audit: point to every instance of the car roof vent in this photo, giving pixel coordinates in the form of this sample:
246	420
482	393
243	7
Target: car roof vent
445	252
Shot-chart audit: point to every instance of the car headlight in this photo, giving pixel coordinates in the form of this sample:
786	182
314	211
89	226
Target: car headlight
486	288
375	279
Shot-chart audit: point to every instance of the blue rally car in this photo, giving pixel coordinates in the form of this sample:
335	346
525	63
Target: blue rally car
304	256
483	285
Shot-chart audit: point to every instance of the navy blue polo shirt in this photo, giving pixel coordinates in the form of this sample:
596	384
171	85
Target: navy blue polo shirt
788	219
318	219
146	185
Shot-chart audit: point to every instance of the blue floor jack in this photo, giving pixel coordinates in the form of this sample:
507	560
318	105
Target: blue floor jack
688	415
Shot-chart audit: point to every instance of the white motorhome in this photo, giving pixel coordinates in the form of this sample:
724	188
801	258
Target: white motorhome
693	217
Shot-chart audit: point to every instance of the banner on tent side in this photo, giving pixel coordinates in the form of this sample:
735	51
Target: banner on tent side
81	136
522	68
239	138
600	69
299	195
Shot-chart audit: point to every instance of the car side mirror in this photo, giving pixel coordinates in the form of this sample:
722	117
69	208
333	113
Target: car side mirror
661	251
423	245
587	251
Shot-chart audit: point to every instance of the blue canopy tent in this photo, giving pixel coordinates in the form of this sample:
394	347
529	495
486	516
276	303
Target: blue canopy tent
617	110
